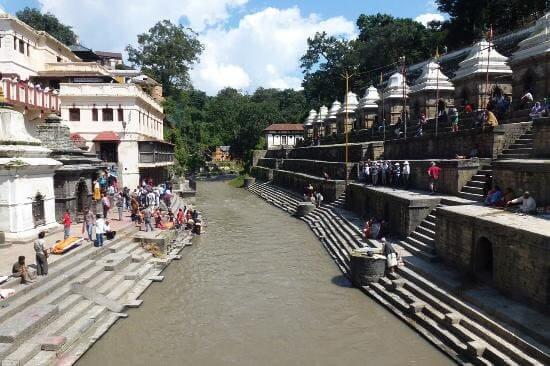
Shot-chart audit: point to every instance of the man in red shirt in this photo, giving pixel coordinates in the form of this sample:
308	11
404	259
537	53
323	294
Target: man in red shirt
433	172
66	224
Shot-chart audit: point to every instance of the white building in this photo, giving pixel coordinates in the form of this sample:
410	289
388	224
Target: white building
283	135
123	125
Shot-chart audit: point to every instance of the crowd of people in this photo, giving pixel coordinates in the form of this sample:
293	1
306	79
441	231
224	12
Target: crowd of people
384	173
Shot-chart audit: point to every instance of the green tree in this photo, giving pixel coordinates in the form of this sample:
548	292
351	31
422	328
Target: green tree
49	23
469	19
167	52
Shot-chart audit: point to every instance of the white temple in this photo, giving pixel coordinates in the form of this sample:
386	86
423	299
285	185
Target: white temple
395	87
538	43
370	99
308	124
348	107
27	201
318	126
479	58
330	120
432	79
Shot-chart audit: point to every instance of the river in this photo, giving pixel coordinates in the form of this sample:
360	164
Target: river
257	289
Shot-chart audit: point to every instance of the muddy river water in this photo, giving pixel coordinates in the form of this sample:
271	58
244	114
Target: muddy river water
257	289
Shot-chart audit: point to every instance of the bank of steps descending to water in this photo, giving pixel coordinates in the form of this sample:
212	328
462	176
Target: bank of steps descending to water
454	326
54	321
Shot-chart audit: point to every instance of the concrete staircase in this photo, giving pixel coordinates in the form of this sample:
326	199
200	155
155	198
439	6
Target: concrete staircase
457	328
50	323
473	190
421	242
520	149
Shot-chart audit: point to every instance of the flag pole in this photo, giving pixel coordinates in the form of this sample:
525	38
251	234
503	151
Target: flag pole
383	107
488	61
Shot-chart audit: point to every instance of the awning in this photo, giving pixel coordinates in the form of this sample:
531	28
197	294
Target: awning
107	136
78	140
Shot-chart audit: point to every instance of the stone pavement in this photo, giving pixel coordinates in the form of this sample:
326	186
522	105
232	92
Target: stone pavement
8	256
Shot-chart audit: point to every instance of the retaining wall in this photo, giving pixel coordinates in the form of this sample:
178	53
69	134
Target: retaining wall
541	138
525	175
331	189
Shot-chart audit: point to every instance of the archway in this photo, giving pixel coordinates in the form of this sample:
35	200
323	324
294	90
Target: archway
38	211
483	258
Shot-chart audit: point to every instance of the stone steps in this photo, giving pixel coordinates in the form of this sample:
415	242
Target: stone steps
454	326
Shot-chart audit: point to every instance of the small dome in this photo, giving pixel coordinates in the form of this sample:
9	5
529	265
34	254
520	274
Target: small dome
311	118
395	88
350	103
432	79
476	62
323	111
538	42
334	110
372	96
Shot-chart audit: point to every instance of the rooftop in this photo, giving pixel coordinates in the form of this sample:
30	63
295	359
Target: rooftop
285	127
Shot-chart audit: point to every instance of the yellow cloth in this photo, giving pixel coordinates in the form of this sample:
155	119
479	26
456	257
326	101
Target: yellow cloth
97	192
491	119
64	245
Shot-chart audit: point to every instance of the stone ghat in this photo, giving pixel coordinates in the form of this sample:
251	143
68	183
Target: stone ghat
420	295
514	250
337	153
490	142
335	170
331	189
54	321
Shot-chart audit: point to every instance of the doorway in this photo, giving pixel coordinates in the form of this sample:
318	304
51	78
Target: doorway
483	258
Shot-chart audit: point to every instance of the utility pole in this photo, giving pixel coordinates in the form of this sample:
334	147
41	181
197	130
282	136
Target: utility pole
404	95
347	76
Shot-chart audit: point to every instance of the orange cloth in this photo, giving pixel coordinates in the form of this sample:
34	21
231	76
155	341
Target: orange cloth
65	245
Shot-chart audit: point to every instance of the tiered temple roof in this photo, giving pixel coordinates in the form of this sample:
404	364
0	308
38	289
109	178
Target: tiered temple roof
322	115
538	42
395	87
350	104
432	79
371	98
480	60
310	118
334	110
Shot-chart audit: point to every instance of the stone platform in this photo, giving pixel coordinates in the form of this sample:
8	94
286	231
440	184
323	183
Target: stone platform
162	238
531	175
403	210
511	251
331	189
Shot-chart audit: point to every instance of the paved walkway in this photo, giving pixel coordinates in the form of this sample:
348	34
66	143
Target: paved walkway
8	256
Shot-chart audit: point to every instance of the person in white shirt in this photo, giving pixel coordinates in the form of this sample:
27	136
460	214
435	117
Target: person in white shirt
99	230
526	202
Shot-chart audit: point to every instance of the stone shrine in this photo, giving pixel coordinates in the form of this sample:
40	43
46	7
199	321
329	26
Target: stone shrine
530	62
431	86
471	77
308	124
73	180
330	121
27	201
318	125
395	97
346	114
367	110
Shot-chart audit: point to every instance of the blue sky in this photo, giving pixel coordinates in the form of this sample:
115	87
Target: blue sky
248	43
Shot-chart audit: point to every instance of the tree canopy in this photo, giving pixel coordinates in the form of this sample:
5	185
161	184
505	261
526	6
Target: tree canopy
49	23
167	52
469	19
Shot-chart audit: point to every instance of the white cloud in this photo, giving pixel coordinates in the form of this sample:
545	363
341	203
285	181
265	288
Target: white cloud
266	45
112	24
428	17
262	49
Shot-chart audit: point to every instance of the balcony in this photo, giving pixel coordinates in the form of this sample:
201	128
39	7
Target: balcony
155	153
30	96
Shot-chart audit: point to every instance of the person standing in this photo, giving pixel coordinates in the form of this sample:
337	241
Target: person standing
120	205
88	223
67	224
406	174
41	255
97	191
99	230
391	255
374	173
433	172
147	218
318	199
106	203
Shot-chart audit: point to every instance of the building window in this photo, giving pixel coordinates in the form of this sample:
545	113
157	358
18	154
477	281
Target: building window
14	43
95	115
58	59
107	114
74	114
283	140
120	114
21	46
28	49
